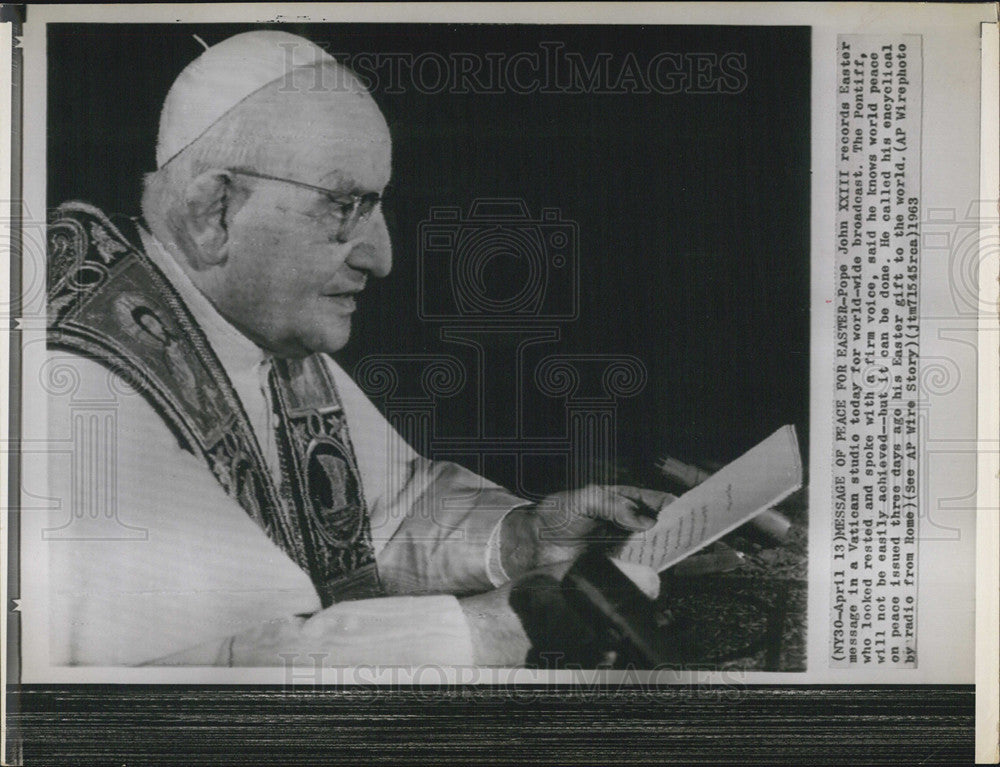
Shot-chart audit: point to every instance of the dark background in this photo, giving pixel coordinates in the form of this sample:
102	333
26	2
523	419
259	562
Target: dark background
693	211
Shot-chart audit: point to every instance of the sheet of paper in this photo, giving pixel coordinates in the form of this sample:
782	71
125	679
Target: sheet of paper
757	480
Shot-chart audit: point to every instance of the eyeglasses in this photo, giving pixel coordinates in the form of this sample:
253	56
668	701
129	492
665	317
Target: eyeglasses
355	209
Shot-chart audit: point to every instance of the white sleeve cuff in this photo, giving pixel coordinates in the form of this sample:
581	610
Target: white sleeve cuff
494	563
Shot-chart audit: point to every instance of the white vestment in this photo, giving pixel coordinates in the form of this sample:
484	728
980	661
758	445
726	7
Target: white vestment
151	562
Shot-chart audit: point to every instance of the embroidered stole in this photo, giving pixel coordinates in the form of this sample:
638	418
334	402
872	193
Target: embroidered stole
108	301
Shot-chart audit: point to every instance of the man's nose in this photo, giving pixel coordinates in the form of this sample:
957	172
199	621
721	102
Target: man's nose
372	251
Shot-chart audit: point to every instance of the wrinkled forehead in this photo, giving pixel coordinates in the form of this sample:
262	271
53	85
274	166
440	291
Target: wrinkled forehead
318	125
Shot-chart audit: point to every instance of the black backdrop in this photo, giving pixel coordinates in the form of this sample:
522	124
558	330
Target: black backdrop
692	208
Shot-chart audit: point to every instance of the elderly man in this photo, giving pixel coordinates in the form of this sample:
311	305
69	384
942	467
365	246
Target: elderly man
264	511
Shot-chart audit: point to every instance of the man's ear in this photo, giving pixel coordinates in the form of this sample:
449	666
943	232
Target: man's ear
206	199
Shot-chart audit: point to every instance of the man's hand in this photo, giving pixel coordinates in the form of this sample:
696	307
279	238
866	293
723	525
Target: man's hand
559	527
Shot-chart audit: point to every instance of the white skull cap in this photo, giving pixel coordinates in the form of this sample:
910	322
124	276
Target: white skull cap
223	77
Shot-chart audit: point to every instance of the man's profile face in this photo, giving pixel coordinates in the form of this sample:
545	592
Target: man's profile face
288	282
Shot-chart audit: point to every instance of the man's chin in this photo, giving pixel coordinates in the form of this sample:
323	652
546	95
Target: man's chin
328	339
331	340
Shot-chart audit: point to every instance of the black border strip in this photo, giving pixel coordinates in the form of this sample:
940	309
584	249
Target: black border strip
133	724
